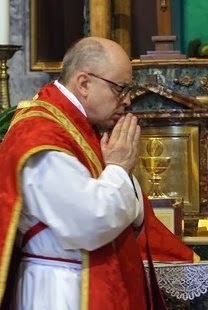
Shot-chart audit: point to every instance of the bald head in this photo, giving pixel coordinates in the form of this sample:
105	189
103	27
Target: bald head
92	53
96	71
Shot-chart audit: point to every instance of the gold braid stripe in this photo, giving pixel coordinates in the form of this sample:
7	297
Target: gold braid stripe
9	241
28	114
84	305
65	123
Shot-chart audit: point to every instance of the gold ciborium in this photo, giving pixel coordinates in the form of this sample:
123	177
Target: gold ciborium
155	165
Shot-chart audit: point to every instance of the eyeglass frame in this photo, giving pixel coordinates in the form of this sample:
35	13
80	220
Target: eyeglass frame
124	89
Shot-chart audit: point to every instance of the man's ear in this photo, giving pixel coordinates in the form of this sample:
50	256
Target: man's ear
82	83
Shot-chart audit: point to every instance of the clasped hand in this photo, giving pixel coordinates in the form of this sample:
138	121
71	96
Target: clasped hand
120	148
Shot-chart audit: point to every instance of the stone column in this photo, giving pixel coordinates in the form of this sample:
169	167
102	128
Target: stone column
100	18
122	24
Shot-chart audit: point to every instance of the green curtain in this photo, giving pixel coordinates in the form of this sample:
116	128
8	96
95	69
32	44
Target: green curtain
5	119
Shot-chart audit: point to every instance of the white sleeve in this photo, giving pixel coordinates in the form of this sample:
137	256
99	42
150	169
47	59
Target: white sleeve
83	212
140	218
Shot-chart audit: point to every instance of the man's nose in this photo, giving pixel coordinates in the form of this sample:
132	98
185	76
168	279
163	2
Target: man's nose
127	100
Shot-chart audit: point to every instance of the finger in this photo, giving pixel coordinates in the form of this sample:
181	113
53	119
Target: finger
137	136
116	132
132	130
104	140
125	127
135	144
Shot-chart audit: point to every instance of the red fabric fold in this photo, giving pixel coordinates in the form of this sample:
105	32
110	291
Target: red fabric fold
164	245
117	276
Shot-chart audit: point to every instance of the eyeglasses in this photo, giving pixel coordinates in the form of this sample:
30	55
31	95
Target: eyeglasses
122	90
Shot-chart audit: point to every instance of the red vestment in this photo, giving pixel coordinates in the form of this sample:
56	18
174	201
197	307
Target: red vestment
113	276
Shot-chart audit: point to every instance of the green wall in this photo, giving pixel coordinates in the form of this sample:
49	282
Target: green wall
195	21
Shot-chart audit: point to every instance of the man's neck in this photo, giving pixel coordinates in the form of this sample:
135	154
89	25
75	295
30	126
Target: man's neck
70	96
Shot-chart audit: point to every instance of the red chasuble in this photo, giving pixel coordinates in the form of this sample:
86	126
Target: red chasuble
164	246
113	276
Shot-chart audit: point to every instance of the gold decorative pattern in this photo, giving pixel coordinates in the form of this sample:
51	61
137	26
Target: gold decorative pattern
184	80
204	82
60	118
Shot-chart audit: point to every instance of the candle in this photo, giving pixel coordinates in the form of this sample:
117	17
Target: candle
4	21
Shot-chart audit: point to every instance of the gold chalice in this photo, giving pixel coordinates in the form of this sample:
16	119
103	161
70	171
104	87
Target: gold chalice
155	165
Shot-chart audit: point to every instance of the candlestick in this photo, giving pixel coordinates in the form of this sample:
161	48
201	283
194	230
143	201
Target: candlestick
4	22
6	52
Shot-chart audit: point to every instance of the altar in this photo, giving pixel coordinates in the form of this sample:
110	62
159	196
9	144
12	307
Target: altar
184	286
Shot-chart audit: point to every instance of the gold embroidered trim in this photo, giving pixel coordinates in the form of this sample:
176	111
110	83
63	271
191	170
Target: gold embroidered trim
64	123
32	114
85	281
4	266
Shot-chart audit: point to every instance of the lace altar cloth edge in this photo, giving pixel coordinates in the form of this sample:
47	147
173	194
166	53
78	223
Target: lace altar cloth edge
180	280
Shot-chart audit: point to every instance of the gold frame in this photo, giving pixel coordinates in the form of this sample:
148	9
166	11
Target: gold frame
137	63
35	63
186	138
99	24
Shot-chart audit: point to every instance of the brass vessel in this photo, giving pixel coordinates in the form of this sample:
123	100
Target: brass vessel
155	164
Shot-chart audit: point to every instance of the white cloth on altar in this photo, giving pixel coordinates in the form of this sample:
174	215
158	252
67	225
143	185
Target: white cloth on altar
81	213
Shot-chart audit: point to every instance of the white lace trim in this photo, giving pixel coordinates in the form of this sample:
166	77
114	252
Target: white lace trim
183	281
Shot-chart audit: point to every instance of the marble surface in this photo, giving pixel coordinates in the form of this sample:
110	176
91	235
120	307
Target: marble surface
167	75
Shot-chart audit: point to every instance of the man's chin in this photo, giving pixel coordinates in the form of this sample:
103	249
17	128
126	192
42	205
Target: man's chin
110	123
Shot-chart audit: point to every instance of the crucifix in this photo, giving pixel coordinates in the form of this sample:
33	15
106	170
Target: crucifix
164	40
163	17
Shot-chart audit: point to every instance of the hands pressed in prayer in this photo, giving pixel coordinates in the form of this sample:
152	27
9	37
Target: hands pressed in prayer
120	148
